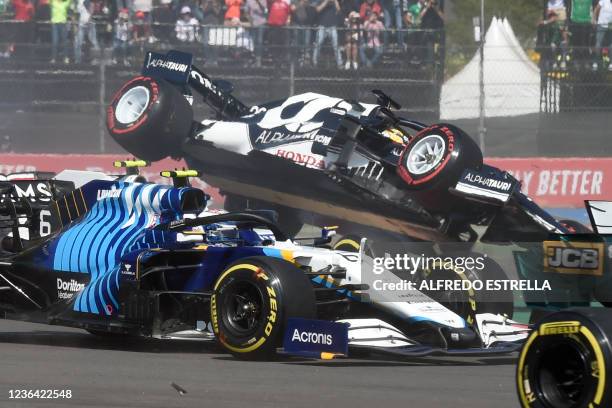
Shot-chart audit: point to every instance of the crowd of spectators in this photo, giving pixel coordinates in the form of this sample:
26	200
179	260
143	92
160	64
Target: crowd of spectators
579	32
357	31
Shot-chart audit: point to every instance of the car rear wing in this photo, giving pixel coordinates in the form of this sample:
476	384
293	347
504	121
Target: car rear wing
177	67
26	205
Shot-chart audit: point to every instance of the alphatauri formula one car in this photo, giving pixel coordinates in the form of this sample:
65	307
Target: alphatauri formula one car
310	153
120	257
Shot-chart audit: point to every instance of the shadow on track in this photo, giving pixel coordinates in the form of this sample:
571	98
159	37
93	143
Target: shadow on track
385	361
376	361
144	345
89	341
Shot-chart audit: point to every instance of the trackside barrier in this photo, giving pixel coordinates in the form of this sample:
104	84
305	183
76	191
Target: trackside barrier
561	182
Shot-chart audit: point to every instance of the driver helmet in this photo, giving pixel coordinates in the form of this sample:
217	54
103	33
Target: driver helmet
395	135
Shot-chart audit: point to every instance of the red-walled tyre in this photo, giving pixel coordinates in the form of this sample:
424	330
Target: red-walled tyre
434	160
149	118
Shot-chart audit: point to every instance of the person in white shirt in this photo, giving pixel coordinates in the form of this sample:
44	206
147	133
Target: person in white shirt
603	18
557	7
85	27
122	37
187	26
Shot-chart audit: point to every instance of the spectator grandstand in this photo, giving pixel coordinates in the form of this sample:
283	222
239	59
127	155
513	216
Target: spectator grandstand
576	35
250	32
573	42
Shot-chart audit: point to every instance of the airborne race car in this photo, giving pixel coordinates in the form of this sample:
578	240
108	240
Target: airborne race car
129	258
356	163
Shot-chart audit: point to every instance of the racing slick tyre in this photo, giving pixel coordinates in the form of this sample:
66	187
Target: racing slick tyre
149	118
251	302
566	361
434	160
470	302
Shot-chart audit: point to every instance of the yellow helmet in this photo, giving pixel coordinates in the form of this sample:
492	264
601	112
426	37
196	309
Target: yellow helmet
395	134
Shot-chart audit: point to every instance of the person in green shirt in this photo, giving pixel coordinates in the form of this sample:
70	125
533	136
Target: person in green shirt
426	16
582	11
412	21
581	19
414	13
59	29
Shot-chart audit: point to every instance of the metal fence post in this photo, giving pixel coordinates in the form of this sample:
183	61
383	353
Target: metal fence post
292	77
482	131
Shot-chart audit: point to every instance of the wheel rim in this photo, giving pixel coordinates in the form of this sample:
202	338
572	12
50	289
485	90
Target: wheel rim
563	381
132	105
425	155
243	305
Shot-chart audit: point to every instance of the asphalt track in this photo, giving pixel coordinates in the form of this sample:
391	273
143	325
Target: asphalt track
108	373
